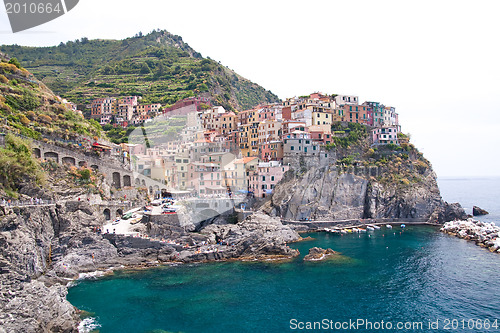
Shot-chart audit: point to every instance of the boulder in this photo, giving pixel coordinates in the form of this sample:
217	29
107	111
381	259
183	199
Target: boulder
476	211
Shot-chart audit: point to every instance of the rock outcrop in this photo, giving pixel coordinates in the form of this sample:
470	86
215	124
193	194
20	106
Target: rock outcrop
328	193
257	237
41	248
476	211
317	254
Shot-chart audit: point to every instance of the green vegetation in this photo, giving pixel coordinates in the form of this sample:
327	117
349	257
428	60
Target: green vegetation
159	67
17	165
348	160
85	177
351	134
31	109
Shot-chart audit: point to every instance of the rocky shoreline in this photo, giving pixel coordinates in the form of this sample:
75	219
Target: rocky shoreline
43	249
483	234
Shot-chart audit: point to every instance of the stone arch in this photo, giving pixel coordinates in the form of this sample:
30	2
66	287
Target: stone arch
137	182
117	180
82	164
37	152
151	190
119	212
69	160
94	167
107	214
143	182
50	155
127	181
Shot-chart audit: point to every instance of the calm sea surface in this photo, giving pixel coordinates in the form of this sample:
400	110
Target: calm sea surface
482	192
410	276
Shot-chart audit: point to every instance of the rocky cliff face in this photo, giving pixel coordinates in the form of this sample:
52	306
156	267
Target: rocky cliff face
41	249
405	189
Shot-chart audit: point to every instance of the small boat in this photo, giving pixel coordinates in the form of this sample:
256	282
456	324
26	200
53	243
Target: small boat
403	225
376	227
388	226
370	228
343	231
349	230
355	230
361	230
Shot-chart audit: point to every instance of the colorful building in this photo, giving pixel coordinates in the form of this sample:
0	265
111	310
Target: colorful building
264	177
385	135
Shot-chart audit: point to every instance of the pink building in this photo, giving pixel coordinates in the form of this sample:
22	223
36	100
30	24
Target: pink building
264	178
385	135
321	133
206	178
272	150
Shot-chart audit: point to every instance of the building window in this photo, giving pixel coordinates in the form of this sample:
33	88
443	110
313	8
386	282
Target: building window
272	178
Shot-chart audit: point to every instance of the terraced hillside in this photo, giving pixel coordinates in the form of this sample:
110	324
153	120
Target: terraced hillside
159	66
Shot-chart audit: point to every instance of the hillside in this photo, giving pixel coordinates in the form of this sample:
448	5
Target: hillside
158	66
28	107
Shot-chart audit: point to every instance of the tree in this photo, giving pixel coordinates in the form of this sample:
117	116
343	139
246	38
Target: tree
145	68
15	62
160	70
108	70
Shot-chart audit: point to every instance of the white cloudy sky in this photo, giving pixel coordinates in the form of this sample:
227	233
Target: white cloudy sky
437	62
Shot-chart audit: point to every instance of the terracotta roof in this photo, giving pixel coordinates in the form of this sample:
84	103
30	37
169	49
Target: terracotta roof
245	160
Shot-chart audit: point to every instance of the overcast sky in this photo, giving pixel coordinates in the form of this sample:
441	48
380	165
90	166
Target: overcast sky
437	62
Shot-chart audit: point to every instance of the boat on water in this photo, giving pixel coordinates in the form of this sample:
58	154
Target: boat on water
343	231
348	231
403	225
361	230
370	228
376	227
388	226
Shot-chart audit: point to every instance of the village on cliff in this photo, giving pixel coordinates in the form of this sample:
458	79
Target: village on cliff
218	151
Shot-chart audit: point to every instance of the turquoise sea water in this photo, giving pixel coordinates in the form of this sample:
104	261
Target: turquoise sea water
415	275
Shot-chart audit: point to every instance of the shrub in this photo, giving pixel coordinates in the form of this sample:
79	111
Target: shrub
421	166
31	115
348	160
17	164
24	120
405	181
15	62
392	146
44	119
3	79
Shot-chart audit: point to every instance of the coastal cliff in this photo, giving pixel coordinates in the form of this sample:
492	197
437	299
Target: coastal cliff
328	194
359	181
